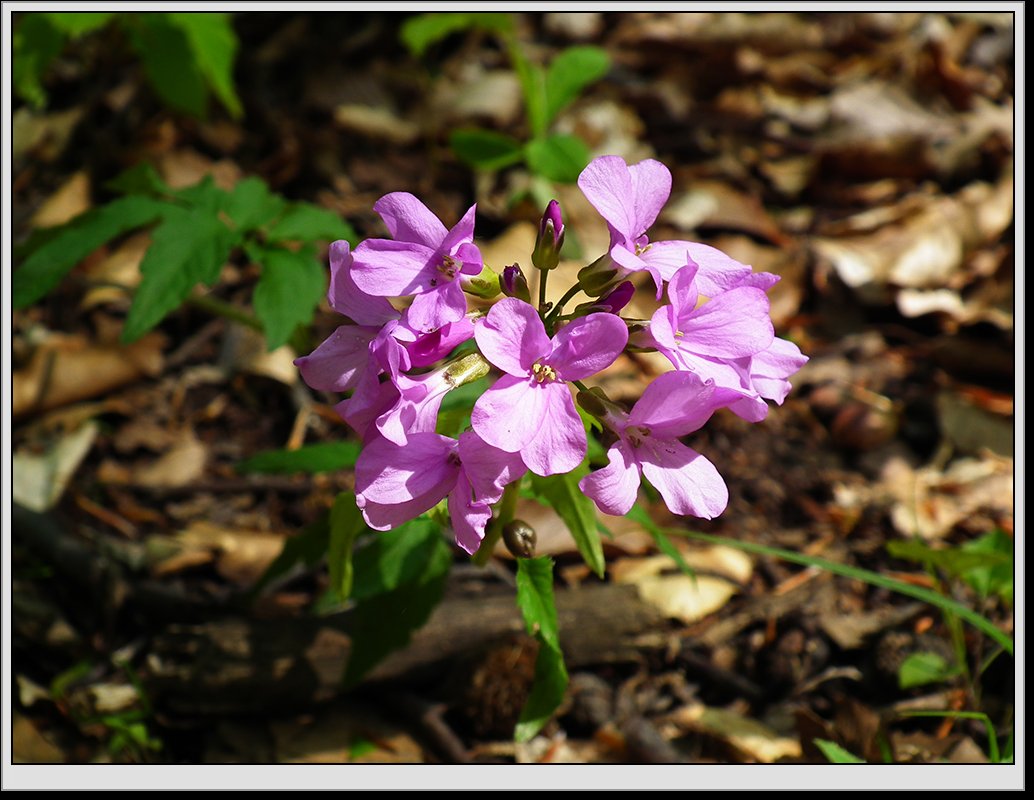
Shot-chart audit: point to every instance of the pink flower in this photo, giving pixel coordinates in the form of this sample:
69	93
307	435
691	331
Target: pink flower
768	372
424	260
529	410
629	198
396	483
675	404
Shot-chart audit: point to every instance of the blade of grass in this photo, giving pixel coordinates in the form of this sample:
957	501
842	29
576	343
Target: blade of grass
872	578
992	738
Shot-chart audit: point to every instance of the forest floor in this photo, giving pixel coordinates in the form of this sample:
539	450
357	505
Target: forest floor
864	158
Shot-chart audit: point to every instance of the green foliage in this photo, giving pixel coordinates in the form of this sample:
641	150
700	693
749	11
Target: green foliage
399	579
305	549
922	668
835	754
198	229
578	512
312	458
535	600
986	564
547	92
185	55
346	523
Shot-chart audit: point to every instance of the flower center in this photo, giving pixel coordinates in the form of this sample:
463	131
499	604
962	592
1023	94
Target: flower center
640	248
679	334
453	459
543	373
636	434
448	269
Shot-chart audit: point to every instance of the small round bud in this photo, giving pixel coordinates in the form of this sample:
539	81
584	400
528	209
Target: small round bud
519	538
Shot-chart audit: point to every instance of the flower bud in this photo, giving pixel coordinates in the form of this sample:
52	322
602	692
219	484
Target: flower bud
485	284
514	284
599	276
519	538
466	370
551	238
595	402
617	298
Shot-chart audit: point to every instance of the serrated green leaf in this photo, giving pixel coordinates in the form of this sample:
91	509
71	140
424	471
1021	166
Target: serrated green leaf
305	222
395	557
420	32
78	23
535	598
73	242
346	523
169	63
384	621
214	46
139	179
288	291
560	157
835	754
204	195
484	149
922	668
35	43
570	72
578	512
536	602
307	548
312	458
188	248
251	205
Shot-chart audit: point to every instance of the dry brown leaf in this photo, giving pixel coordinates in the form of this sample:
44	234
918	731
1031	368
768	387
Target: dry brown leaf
68	202
331	738
182	465
376	122
122	267
65	369
185	167
716	204
38	481
241	556
750	737
43	135
29	746
491	95
244	350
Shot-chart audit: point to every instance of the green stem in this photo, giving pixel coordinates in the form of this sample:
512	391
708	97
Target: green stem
543	275
220	308
555	313
507	508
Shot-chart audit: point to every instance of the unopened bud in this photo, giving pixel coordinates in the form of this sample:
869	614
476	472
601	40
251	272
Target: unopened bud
485	284
595	402
519	538
466	370
610	303
598	278
550	239
514	284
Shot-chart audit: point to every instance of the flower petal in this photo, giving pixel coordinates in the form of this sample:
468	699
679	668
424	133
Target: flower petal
587	345
512	336
337	364
732	324
462	233
651	187
558	444
615	487
385	268
469	517
416	410
674	404
370	399
629	261
770	368
431	347
607	185
688	482
509	414
488	468
348	299
389	473
718	271
433	309
409	220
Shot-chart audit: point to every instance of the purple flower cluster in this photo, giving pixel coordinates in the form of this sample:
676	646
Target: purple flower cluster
399	365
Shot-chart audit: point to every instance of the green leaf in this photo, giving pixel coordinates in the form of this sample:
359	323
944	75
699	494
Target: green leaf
139	179
836	754
288	291
305	222
35	43
991	578
189	247
395	558
73	242
535	598
170	65
537	605
570	72
533	87
664	544
953	560
920	669
214	45
78	23
312	458
576	510
419	33
307	548
486	150
346	523
251	205
383	622
560	157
